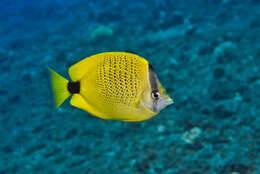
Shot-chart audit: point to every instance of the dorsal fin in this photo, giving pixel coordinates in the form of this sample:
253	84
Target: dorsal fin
78	70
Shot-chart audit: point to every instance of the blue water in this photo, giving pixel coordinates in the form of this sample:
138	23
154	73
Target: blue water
205	52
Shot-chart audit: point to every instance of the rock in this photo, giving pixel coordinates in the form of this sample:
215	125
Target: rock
161	128
177	19
71	134
219	73
191	135
101	32
237	168
222	112
52	153
171	21
221	95
205	49
190	31
223	48
38	129
255	24
8	149
33	149
15	98
81	150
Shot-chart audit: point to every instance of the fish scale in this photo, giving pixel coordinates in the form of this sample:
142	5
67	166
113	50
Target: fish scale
117	80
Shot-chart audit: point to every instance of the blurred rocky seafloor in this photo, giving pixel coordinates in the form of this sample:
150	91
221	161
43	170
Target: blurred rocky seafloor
205	52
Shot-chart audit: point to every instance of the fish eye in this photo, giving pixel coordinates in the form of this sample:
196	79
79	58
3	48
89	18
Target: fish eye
155	95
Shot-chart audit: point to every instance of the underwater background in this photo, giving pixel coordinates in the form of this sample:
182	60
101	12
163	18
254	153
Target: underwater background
205	52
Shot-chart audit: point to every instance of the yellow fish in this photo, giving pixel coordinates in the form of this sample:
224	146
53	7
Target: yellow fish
112	85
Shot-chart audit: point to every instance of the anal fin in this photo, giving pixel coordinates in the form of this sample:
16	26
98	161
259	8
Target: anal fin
79	101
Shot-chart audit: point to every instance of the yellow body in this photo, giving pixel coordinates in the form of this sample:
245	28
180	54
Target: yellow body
112	85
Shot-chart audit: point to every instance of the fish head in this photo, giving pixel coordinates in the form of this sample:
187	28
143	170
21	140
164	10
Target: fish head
155	97
156	100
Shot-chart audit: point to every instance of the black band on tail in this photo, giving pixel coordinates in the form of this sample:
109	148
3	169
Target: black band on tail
74	87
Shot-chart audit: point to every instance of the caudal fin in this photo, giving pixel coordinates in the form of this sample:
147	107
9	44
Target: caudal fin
59	86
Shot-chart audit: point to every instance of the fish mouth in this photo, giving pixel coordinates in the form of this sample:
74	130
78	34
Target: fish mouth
160	104
163	103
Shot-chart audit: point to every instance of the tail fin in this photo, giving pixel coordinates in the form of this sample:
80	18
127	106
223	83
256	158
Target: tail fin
59	86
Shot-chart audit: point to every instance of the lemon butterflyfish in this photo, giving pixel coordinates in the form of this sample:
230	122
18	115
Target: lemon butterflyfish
112	85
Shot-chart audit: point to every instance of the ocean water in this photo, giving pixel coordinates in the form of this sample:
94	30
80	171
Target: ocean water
205	52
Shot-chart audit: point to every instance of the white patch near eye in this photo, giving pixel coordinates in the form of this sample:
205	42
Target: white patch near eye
148	106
